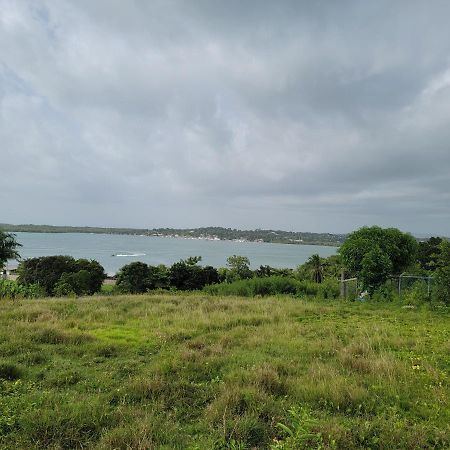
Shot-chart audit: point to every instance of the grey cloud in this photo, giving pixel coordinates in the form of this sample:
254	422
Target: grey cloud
297	115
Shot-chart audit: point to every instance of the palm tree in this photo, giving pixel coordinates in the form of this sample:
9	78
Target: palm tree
316	268
8	246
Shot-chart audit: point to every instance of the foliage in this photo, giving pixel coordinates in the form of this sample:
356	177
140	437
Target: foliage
442	274
11	290
428	253
238	268
268	271
187	275
158	277
400	248
300	432
133	278
375	269
314	268
276	285
8	248
80	277
138	277
96	273
317	272
416	294
45	271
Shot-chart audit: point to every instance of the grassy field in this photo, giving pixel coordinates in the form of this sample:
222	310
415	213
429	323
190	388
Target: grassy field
196	372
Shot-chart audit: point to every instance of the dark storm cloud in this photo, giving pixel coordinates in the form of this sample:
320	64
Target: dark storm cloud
295	115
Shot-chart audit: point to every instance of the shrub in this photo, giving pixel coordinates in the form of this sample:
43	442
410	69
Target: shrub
375	269
417	294
442	277
158	277
276	285
64	289
187	275
51	272
133	278
238	268
93	283
11	290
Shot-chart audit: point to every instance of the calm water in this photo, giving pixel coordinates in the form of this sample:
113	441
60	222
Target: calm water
161	250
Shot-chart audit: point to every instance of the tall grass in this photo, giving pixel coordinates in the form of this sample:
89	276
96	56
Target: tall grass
192	371
276	285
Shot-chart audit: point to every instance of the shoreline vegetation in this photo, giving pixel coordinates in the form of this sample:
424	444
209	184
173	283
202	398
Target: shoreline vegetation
203	233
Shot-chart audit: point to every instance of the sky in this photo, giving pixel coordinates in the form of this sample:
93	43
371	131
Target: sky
316	116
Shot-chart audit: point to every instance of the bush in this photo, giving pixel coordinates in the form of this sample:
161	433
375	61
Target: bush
276	285
11	290
96	272
52	272
417	294
133	278
238	268
442	277
187	275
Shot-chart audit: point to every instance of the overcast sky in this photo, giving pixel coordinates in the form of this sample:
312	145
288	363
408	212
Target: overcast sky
307	116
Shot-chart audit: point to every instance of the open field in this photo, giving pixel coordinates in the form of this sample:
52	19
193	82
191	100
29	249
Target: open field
189	371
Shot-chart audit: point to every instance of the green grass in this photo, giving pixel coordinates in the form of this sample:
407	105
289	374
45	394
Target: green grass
189	371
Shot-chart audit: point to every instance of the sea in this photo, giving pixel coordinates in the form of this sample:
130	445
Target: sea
113	251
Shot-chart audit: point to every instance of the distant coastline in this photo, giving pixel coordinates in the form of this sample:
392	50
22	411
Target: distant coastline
203	233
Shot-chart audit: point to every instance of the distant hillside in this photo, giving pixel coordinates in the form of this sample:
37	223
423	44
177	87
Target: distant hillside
211	233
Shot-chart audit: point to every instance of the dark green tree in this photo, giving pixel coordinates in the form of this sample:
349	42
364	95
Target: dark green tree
45	271
158	277
375	269
428	253
96	274
400	248
83	276
75	283
442	274
316	268
8	248
238	268
133	278
187	275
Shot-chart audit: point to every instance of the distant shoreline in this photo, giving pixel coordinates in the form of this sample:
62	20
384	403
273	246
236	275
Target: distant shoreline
204	233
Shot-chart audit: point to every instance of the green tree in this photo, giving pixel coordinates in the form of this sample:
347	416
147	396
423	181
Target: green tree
82	276
133	278
96	275
316	268
238	268
187	275
45	271
442	274
428	253
8	248
400	248
375	269
158	277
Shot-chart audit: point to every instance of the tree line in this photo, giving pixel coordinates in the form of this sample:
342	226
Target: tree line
372	254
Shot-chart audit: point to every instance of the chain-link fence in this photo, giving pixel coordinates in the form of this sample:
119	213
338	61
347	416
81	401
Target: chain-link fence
349	288
405	283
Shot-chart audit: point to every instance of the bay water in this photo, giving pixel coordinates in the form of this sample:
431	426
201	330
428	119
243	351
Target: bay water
113	251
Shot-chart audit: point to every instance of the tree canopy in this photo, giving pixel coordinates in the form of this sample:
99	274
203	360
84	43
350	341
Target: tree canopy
8	248
400	248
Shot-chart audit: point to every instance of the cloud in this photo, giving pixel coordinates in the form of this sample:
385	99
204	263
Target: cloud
293	115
